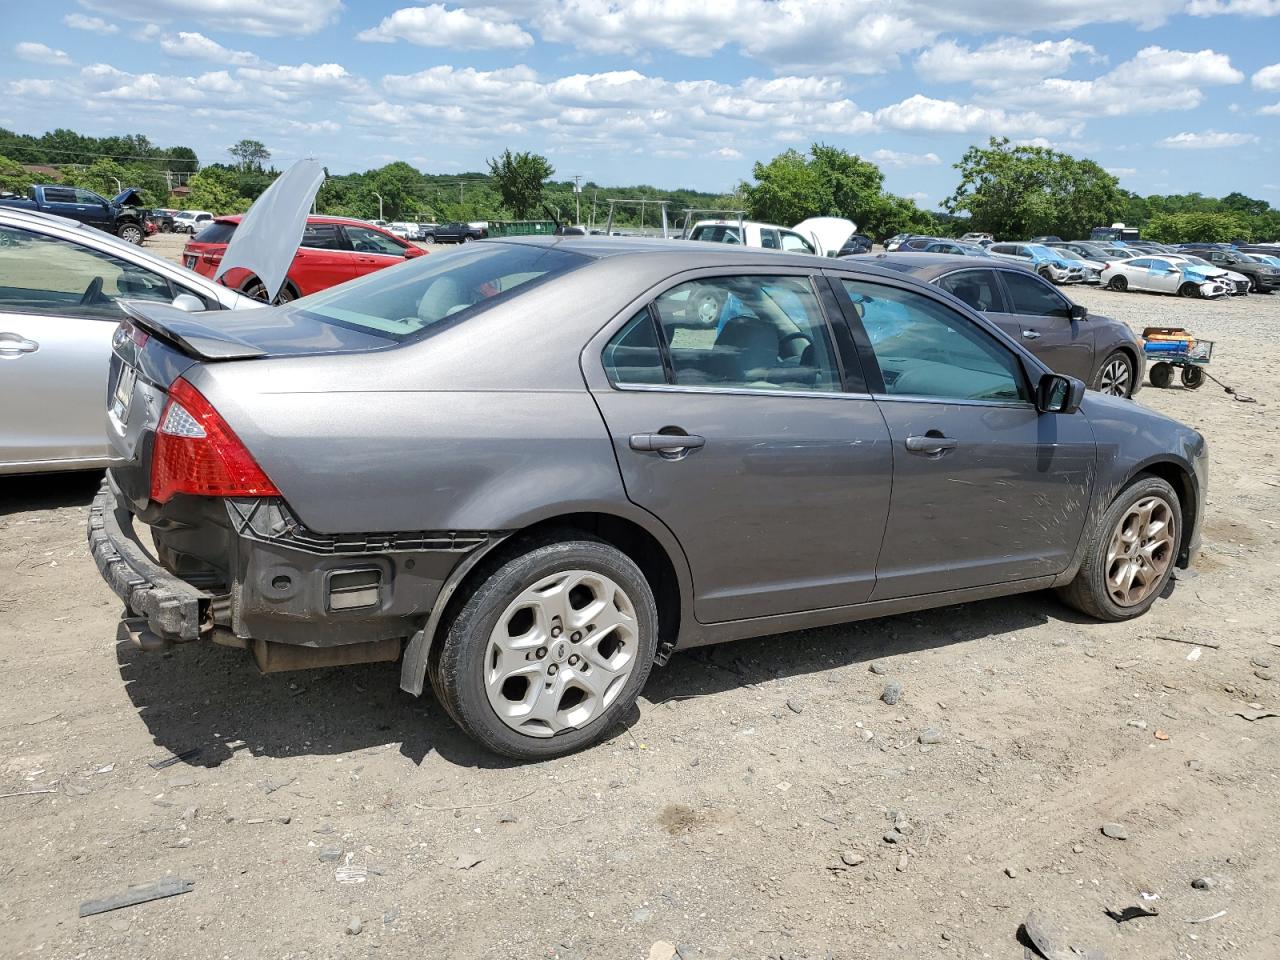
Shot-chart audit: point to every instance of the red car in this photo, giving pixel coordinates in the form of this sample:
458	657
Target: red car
333	250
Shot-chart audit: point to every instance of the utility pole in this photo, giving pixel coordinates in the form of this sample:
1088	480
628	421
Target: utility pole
119	189
379	196
594	194
461	185
577	198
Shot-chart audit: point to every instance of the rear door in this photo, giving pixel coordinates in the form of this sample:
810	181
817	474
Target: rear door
1041	317
986	489
372	250
58	312
324	259
751	439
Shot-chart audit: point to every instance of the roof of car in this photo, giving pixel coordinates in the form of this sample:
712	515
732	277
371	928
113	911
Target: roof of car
927	266
311	218
697	253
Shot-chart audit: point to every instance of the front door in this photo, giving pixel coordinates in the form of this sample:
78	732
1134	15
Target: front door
986	490
742	433
373	250
1040	317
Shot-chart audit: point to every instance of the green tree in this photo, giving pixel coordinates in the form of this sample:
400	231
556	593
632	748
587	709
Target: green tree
250	155
13	178
1023	191
788	189
828	182
520	179
1196	226
214	189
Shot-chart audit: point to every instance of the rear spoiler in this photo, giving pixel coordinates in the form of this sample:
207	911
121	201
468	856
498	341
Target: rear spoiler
196	338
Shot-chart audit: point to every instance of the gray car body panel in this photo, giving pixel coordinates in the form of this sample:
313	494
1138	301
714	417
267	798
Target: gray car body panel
508	420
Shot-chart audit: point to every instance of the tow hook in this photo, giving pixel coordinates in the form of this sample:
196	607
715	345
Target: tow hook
136	631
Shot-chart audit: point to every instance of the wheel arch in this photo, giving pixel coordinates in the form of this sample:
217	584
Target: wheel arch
655	551
1181	478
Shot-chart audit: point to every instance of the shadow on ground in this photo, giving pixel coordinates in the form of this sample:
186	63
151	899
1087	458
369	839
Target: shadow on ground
213	698
48	491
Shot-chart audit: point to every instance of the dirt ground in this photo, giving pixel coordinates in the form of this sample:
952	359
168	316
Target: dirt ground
743	809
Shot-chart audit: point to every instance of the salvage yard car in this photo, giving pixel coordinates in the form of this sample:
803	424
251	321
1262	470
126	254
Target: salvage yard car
333	250
122	215
751	233
526	471
1163	275
1046	261
61	284
1065	336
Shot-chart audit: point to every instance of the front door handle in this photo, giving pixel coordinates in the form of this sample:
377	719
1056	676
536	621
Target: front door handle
930	445
15	344
665	442
1030	335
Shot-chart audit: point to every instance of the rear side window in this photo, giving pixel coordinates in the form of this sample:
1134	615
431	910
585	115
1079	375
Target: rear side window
322	236
977	288
716	234
755	332
426	291
633	355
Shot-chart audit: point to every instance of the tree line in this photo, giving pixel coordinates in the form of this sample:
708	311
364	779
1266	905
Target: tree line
1008	190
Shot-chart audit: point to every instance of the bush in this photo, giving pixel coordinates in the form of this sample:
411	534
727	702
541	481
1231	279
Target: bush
1197	227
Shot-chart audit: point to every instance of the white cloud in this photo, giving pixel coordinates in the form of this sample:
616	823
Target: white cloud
1209	140
437	26
271	18
31	88
1268	78
728	153
1244	8
1004	61
304	80
40	53
1122	171
1272	111
925	114
893	158
1154	81
196	46
78	21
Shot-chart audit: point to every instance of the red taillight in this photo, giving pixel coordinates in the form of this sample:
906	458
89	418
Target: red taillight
197	453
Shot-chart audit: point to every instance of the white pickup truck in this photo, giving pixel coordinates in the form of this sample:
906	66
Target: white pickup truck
821	235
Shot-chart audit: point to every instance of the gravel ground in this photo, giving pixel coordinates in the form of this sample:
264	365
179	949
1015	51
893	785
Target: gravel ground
743	810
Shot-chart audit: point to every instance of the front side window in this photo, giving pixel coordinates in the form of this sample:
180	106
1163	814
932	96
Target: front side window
43	274
765	333
977	288
795	243
1032	297
364	240
89	197
925	349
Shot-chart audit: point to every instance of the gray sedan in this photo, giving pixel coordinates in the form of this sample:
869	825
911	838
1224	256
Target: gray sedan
1102	352
532	469
60	287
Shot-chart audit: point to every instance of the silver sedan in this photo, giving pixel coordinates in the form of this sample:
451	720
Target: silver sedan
59	286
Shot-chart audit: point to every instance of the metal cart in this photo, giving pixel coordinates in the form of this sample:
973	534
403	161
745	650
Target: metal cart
1170	347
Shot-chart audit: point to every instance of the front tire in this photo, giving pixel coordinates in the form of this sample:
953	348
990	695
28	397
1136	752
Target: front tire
1131	553
549	650
1189	290
130	233
1115	376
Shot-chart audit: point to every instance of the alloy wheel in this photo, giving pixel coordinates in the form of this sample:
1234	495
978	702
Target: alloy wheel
1140	551
561	653
1115	378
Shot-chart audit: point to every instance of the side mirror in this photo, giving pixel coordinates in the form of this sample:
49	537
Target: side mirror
409	253
188	302
1056	393
1079	312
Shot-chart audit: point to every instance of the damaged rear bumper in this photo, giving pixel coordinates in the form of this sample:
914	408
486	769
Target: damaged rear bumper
173	608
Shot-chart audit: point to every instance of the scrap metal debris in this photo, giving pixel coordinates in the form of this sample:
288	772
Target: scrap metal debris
1132	913
1220	913
1252	715
142	893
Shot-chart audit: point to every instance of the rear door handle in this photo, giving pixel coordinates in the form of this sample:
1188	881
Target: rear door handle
15	344
930	445
1030	335
665	442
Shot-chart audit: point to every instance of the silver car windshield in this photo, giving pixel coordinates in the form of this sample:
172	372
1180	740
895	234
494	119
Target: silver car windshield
410	298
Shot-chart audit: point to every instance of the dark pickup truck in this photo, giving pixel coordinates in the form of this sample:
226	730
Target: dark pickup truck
122	215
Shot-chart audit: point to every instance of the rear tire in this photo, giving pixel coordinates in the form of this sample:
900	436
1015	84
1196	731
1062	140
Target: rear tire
1118	283
502	650
257	291
1131	553
1192	377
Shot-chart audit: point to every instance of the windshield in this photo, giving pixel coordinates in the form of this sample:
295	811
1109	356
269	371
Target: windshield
1067	254
407	299
1041	250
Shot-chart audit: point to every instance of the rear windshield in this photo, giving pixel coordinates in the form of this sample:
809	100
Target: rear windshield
216	233
411	297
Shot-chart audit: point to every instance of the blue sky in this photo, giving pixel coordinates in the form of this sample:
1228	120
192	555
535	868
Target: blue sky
1170	95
